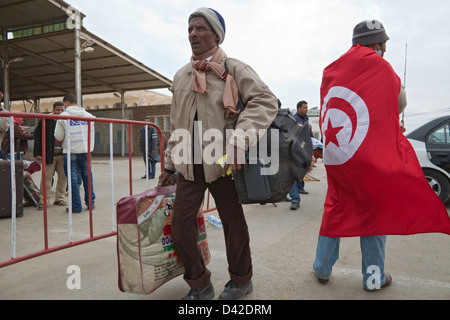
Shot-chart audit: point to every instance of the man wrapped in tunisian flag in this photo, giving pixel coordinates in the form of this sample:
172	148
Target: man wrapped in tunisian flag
376	184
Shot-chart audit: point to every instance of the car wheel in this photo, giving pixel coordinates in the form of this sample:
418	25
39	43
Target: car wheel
439	183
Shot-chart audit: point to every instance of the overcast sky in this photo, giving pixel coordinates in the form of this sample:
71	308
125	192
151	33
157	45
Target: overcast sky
288	42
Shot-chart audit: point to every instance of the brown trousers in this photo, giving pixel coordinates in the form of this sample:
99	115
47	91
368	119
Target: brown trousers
61	185
189	198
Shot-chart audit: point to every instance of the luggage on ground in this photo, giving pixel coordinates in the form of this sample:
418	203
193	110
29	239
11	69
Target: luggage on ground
32	194
5	193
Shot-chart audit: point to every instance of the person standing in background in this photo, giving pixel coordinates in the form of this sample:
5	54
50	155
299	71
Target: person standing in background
153	155
19	134
299	187
78	150
54	159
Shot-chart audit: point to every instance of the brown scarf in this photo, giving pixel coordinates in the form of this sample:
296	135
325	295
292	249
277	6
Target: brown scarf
201	66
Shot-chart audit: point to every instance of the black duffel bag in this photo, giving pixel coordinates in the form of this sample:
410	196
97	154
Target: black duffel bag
268	179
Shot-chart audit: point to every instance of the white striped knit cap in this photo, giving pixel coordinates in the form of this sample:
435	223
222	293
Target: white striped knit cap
215	20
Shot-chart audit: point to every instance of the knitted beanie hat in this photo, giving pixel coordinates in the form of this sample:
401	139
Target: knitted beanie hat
369	32
215	20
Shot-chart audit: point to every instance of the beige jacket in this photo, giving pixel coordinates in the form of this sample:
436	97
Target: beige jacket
260	112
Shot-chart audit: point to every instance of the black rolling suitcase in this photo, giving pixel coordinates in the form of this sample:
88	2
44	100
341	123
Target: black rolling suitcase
5	192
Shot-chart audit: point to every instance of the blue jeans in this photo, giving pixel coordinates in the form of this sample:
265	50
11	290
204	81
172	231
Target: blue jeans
19	158
3	155
151	169
294	194
79	166
373	256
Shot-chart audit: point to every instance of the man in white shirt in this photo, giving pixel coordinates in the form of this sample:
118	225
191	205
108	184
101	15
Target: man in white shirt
78	150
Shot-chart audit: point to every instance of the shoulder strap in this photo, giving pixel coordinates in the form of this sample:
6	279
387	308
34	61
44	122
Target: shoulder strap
241	105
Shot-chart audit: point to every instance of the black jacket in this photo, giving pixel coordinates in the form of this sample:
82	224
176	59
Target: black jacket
50	126
152	139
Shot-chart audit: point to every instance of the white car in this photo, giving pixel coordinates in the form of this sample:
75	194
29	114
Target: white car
431	142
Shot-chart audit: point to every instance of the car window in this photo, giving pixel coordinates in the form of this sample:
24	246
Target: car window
441	135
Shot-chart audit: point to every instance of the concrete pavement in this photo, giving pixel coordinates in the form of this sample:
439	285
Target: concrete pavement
283	247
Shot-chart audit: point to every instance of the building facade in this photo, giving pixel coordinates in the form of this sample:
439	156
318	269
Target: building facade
138	106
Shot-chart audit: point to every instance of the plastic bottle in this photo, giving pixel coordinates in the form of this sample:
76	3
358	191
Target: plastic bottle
215	222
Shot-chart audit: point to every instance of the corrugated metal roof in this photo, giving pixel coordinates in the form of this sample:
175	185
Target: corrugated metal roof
48	68
19	13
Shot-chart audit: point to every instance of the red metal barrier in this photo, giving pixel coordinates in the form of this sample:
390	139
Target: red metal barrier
92	237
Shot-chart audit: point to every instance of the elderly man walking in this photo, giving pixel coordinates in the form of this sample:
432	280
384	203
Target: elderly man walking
204	101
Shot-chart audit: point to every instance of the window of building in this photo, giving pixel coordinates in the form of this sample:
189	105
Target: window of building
166	123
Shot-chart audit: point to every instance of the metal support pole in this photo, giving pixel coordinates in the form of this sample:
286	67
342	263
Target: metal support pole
111	156
37	109
12	141
5	59
122	105
78	62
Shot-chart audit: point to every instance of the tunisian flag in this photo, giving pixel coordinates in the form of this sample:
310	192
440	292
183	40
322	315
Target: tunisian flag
375	183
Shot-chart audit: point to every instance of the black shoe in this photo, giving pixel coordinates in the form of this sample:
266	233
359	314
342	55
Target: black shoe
322	280
205	293
303	192
295	206
73	211
234	292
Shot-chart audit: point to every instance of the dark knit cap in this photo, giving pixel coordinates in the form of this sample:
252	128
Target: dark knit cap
369	32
